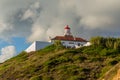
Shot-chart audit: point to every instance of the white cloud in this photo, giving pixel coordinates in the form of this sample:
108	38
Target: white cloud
38	33
7	53
38	19
4	27
31	12
83	16
96	21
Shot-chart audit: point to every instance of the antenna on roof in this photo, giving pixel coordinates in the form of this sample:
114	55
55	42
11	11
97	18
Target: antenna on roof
74	37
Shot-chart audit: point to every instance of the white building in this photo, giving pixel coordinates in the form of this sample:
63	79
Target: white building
37	45
68	40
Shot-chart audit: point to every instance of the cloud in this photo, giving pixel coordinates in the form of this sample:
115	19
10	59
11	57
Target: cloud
9	18
7	53
4	27
38	19
37	34
32	12
86	18
96	21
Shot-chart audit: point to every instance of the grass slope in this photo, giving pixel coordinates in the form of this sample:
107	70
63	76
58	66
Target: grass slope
58	63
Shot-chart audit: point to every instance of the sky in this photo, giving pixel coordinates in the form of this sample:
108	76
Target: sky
25	21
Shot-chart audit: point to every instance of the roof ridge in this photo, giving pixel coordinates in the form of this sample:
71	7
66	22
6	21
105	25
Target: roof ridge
69	38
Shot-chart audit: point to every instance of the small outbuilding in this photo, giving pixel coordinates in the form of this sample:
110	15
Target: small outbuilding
37	45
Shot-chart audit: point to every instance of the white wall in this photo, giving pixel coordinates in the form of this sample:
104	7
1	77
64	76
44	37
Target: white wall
37	45
41	44
31	47
72	44
87	44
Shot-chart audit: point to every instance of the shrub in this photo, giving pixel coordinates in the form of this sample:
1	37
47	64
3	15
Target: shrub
86	70
108	42
69	69
80	58
113	62
73	52
104	52
94	59
48	49
56	61
62	59
47	78
36	78
108	52
92	50
50	63
58	45
77	78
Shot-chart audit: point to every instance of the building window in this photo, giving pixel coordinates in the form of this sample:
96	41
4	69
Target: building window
71	42
81	44
78	44
63	42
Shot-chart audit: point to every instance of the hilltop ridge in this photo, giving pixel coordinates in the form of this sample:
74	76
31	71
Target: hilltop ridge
58	63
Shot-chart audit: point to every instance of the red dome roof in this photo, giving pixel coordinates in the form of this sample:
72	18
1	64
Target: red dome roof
67	27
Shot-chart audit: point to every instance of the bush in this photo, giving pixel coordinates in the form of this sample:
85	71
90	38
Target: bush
48	49
108	42
72	52
36	78
92	50
104	52
80	58
47	78
108	52
77	78
113	62
94	59
56	61
69	69
41	78
58	45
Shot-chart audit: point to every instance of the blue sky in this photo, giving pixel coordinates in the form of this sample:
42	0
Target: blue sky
19	43
25	21
12	48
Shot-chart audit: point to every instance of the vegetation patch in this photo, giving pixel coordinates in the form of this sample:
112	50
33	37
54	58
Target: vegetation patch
55	62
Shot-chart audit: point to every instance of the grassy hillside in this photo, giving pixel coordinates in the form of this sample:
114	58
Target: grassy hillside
57	63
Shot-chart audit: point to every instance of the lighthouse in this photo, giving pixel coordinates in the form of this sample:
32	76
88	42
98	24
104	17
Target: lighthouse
68	40
67	31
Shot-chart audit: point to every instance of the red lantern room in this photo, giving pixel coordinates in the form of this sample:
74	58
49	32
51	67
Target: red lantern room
67	27
67	31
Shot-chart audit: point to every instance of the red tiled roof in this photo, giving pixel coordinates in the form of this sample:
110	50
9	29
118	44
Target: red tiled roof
69	38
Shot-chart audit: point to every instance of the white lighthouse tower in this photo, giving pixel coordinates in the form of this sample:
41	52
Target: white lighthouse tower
67	31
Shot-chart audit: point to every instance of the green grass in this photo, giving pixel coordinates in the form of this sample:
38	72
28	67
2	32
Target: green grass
57	63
